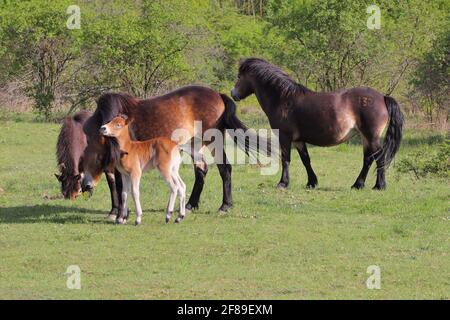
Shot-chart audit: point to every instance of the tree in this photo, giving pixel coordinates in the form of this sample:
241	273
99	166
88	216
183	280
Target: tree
39	48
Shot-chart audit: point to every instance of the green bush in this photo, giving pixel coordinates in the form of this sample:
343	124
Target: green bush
427	161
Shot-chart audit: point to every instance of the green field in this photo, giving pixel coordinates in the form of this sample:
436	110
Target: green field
294	244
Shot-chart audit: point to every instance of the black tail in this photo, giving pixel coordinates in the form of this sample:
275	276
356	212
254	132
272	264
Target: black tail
242	137
394	132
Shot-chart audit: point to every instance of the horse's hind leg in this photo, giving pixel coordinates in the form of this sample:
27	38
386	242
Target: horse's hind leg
182	195
173	187
371	150
303	152
224	168
380	184
200	170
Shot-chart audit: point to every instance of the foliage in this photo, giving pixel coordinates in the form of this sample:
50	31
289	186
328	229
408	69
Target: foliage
427	161
148	47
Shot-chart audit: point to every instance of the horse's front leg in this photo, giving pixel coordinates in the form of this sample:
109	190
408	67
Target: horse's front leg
285	146
125	190
115	197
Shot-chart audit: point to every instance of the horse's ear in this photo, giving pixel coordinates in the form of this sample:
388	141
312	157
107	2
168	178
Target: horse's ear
123	116
58	176
61	166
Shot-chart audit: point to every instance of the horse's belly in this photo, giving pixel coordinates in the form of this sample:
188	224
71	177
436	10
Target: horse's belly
326	134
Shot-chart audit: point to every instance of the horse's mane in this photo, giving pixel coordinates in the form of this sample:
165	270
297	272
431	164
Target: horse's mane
273	76
70	134
110	105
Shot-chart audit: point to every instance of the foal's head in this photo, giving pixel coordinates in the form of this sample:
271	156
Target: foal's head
116	127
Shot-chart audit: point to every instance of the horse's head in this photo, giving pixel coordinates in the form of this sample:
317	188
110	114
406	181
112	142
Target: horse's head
70	183
94	162
116	127
243	86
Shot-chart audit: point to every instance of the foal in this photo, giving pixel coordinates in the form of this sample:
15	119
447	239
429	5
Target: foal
138	156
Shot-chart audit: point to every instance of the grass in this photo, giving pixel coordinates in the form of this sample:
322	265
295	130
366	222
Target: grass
294	244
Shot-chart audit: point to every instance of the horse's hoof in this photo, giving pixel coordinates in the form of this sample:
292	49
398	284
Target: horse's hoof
137	223
224	208
358	186
282	186
311	186
179	219
167	220
120	221
380	187
190	207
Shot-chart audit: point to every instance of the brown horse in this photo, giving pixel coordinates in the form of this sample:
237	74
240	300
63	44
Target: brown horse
138	156
69	151
322	119
159	117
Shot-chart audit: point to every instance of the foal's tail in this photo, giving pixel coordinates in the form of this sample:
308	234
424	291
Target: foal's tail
242	135
394	131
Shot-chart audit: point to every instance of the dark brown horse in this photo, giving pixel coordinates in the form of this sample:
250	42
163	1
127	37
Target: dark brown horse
322	118
69	149
159	117
69	152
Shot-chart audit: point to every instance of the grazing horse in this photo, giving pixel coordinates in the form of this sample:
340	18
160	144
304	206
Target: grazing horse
322	118
69	149
137	156
69	153
159	117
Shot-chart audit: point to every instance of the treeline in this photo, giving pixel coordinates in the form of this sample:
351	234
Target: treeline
146	47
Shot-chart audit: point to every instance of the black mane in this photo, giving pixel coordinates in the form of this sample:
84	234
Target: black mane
109	105
273	76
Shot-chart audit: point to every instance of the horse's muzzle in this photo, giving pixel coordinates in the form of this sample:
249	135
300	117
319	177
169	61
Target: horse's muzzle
234	95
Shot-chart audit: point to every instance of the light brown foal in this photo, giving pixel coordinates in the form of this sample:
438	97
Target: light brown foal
138	156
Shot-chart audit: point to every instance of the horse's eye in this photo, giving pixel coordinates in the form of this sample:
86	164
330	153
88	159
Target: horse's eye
118	126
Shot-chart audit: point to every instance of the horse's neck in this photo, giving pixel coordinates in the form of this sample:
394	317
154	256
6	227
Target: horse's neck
267	101
124	140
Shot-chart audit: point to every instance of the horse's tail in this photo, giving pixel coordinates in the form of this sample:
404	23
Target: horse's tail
242	136
394	131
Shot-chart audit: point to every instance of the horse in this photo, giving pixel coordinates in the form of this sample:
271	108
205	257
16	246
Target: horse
70	148
138	156
322	118
158	117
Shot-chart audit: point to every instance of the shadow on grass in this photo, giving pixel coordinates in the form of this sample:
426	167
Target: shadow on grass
46	213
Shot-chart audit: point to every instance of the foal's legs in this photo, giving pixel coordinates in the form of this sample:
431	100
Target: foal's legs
126	185
173	186
372	149
285	145
181	194
135	181
303	152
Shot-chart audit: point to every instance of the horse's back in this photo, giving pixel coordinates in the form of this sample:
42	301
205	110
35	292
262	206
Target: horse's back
179	109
